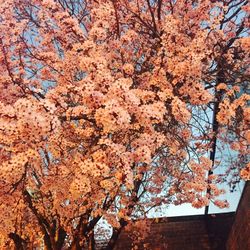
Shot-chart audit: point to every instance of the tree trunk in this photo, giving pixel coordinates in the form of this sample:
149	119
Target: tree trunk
18	241
115	235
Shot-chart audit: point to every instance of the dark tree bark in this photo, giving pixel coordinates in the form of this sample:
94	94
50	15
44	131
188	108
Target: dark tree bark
18	241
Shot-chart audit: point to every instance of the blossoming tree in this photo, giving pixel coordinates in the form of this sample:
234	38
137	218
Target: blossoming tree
109	108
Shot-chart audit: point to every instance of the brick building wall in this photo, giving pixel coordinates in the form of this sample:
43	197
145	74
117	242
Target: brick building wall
227	231
184	233
239	238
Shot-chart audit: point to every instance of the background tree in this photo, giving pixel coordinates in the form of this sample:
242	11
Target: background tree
109	108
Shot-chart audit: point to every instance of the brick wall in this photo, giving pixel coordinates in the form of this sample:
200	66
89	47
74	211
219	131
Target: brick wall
185	232
227	231
239	238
